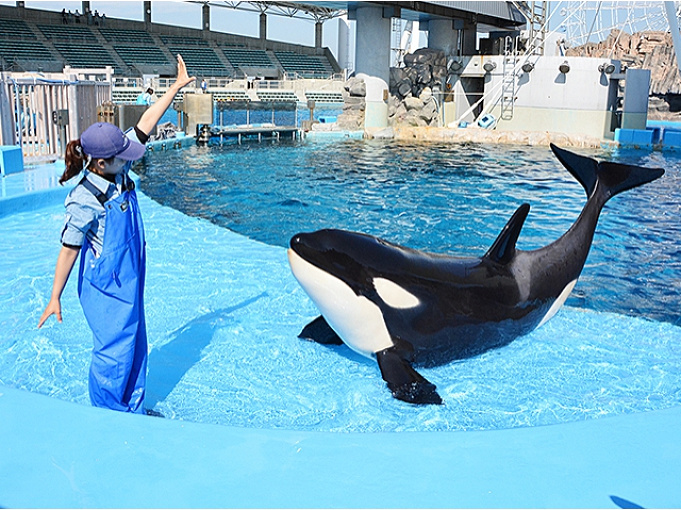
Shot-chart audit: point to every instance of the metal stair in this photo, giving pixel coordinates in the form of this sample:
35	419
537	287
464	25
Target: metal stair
509	81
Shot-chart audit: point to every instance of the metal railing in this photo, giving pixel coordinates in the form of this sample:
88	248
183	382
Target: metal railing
42	114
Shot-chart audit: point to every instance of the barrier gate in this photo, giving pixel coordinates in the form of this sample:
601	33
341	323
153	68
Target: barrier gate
42	114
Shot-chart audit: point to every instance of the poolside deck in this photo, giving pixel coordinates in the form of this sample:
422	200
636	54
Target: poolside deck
86	457
81	456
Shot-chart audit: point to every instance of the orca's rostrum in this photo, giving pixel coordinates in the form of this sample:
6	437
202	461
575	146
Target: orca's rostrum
403	306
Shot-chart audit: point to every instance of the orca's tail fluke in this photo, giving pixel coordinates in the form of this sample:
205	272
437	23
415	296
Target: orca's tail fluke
613	178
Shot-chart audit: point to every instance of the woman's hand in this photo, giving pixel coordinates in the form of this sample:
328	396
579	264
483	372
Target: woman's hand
154	113
183	77
52	308
67	257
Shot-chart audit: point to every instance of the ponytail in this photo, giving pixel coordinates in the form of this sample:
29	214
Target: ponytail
74	159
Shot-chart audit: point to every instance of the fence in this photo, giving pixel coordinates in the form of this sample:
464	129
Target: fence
42	114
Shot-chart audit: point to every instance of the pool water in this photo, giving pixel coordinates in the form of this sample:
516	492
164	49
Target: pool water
223	310
440	198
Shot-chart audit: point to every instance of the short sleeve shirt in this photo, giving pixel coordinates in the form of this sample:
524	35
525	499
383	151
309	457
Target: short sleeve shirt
85	216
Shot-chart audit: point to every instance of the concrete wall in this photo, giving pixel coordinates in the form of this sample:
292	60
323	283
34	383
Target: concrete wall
580	101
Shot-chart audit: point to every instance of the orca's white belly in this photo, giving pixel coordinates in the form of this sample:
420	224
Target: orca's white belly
356	320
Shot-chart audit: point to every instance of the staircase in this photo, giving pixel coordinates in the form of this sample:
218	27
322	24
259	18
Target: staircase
509	82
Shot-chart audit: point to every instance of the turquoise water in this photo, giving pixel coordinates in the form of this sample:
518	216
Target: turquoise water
223	310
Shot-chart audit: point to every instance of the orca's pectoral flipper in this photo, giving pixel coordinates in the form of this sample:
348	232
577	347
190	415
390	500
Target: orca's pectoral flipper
614	178
503	249
319	331
404	382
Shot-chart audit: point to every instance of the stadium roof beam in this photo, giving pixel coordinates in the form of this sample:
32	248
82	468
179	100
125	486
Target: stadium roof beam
300	10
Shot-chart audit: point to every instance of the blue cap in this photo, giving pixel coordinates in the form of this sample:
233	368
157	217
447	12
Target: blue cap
104	140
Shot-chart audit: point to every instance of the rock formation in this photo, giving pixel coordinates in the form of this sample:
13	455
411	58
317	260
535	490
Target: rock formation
644	50
411	100
354	98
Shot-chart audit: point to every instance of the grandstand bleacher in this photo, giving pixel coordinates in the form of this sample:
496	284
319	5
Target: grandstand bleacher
303	65
277	95
173	40
231	95
127	36
334	96
244	57
68	32
87	55
36	40
148	55
24	45
201	61
18	28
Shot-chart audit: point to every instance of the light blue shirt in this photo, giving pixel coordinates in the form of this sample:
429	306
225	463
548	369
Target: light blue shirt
85	216
144	98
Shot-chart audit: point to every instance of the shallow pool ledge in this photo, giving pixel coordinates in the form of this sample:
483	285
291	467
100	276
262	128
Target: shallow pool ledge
59	454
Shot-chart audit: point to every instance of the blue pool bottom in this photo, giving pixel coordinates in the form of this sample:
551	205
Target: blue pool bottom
85	457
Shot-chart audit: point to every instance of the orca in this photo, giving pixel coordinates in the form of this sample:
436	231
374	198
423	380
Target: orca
408	308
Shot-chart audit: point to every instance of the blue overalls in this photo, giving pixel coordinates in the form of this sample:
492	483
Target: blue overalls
111	291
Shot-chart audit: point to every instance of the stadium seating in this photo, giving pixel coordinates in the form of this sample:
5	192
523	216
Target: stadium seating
231	95
124	36
82	55
80	33
324	96
132	52
173	40
201	61
17	28
305	66
244	57
277	95
20	43
147	55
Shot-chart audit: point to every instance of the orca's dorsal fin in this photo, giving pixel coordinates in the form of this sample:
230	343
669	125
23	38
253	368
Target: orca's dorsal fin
503	249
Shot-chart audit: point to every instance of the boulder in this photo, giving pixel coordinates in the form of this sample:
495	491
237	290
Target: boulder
356	87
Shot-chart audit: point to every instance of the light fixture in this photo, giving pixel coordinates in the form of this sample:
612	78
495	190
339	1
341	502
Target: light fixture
527	67
564	67
607	68
455	65
489	66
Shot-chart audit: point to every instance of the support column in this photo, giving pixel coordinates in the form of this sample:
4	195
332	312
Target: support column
636	92
372	62
263	26
147	12
205	17
442	36
372	52
468	36
343	43
318	34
